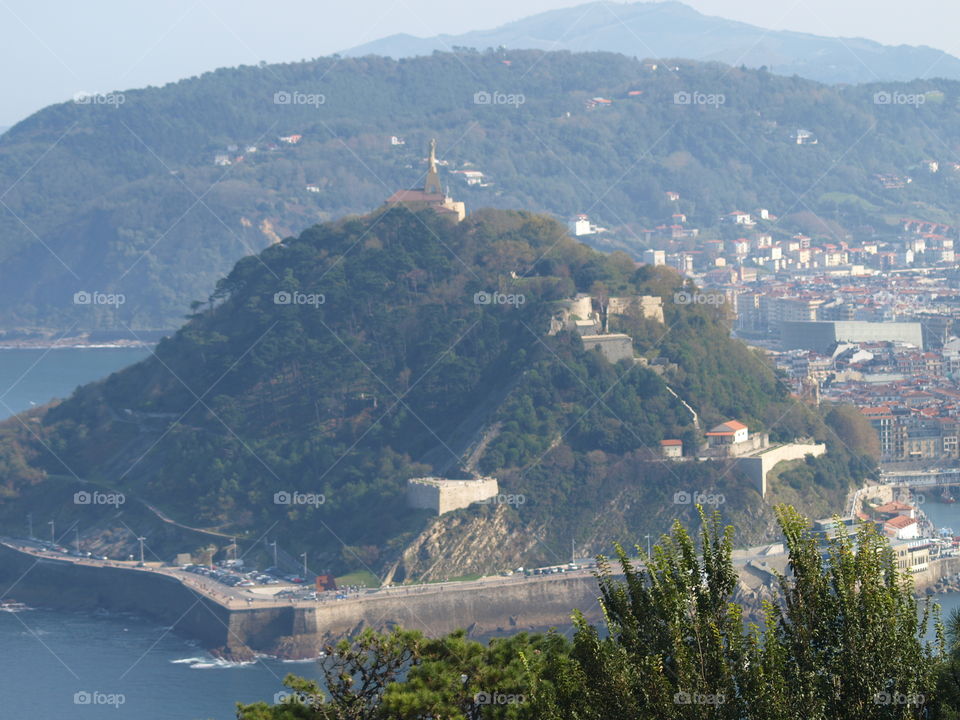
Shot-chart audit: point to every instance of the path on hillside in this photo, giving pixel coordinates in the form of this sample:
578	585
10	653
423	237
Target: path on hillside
696	419
170	521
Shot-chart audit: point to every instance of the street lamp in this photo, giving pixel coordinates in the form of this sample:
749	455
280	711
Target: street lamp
304	556
141	539
53	540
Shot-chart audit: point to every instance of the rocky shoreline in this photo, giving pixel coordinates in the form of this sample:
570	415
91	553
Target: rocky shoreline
948	584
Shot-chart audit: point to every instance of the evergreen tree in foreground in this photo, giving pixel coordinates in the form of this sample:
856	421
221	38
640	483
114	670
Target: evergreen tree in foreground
844	640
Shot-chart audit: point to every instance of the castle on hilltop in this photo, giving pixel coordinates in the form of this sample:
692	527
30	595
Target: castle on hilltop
431	197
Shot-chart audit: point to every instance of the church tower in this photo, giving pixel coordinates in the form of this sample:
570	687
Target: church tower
432	185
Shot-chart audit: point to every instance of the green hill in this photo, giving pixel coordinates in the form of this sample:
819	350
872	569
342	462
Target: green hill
343	362
125	197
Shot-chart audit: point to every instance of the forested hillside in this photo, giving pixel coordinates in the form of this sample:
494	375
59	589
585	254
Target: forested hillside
347	360
121	194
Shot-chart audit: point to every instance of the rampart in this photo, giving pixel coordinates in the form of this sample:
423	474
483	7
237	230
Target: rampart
757	466
441	495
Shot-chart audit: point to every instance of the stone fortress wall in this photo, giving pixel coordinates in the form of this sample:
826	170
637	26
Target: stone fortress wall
757	466
441	495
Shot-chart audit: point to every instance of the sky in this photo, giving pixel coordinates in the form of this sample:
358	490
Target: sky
50	50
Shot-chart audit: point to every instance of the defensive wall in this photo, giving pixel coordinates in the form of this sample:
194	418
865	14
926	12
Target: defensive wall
441	495
757	466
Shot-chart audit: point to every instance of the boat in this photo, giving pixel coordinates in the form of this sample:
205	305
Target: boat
946	497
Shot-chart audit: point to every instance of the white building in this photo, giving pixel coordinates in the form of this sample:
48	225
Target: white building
580	225
654	257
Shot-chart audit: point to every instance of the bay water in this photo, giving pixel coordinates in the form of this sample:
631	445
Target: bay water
56	664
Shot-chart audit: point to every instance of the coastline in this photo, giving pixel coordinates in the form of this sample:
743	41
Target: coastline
77	344
242	626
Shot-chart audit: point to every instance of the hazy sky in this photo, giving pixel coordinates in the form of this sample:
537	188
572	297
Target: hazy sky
52	49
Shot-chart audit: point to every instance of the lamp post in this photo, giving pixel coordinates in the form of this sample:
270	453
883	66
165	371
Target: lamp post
53	540
140	540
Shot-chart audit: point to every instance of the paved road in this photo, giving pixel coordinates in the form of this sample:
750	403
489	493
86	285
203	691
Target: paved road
238	598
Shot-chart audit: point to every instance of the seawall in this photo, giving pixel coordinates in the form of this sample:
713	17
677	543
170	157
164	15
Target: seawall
61	584
523	604
501	606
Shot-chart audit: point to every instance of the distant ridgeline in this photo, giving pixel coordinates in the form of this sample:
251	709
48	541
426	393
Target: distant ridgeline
339	365
156	197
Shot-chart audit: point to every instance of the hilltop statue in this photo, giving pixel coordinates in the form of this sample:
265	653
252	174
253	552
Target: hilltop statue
432	185
431	197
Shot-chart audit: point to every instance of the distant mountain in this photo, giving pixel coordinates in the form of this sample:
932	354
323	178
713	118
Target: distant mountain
3	129
674	30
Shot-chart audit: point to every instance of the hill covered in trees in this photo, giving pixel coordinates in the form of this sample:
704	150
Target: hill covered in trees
343	362
121	194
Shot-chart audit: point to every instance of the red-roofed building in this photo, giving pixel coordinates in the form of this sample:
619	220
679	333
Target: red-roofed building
892	509
902	527
671	448
731	432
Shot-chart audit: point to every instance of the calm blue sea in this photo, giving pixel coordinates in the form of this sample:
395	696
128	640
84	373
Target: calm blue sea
34	377
126	666
48	658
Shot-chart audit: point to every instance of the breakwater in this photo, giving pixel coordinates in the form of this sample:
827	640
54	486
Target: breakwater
298	630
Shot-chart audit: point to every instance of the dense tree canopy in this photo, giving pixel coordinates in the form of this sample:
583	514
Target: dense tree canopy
844	639
377	364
